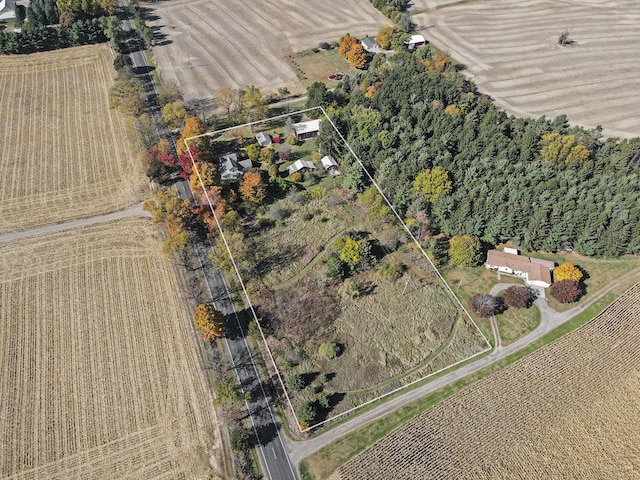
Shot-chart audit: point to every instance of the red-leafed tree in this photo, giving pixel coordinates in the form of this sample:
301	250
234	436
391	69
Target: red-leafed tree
565	291
517	296
185	162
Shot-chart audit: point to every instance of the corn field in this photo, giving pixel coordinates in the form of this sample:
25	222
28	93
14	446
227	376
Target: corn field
99	377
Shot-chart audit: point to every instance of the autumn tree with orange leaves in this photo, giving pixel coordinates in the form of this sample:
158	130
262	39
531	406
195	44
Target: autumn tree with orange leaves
209	321
252	188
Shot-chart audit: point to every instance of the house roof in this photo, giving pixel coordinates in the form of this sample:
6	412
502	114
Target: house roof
299	165
534	269
230	167
369	43
305	127
328	162
416	39
264	139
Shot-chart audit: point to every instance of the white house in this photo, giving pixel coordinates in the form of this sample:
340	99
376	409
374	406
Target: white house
304	130
370	45
301	166
264	139
231	168
534	271
415	41
330	165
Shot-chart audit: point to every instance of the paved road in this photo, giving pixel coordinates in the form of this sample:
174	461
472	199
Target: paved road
274	458
550	319
133	211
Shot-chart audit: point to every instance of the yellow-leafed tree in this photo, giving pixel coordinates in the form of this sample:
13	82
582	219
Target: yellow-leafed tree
357	56
209	321
567	271
252	188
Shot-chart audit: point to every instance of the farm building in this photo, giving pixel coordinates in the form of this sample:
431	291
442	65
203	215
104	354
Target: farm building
264	139
305	130
231	168
534	271
415	41
370	45
330	165
301	166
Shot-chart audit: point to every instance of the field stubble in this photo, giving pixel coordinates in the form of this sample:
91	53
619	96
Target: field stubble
569	410
63	153
221	43
98	373
511	51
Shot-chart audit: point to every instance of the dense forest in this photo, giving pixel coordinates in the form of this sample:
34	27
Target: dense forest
541	183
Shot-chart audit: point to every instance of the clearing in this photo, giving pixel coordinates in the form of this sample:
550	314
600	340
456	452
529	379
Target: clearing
204	46
99	372
569	410
63	153
511	51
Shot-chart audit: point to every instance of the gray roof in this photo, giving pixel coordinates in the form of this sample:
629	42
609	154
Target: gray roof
369	44
231	168
264	139
299	165
328	162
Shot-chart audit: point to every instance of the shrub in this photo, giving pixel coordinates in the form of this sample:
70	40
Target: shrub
323	400
322	378
278	211
565	291
483	304
295	382
307	412
517	296
391	270
335	267
240	439
296	177
329	350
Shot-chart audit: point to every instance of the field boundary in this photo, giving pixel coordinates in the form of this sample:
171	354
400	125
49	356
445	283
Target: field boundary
248	299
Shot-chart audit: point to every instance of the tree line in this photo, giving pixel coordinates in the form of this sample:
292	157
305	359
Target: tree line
452	163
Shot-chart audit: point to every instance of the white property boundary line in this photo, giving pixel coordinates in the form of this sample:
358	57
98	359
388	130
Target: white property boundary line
246	295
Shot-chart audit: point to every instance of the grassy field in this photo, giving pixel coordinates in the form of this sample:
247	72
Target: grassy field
215	44
312	66
511	51
63	153
98	366
566	411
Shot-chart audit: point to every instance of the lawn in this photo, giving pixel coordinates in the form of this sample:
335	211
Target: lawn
316	66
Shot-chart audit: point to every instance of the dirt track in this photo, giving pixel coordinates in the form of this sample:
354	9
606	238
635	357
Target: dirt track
208	45
511	50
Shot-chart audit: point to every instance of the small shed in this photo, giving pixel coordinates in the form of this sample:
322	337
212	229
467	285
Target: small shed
305	130
415	41
301	166
330	165
264	139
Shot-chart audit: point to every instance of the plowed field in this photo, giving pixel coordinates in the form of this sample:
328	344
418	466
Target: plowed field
99	377
63	153
569	410
208	45
511	50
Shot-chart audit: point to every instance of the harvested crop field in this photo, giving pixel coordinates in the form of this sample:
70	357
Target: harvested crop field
204	46
511	51
63	154
569	410
99	376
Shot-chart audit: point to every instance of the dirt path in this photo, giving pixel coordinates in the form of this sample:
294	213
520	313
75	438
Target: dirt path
132	211
550	319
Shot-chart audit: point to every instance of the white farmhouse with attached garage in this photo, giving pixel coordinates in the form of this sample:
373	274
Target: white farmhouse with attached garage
231	168
534	271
